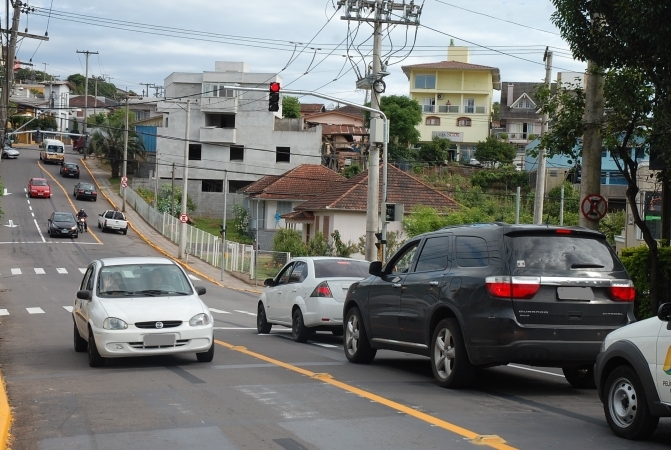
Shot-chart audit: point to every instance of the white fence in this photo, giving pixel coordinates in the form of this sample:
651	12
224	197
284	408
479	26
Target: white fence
238	257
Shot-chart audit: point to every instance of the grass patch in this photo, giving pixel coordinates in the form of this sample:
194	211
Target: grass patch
213	226
116	184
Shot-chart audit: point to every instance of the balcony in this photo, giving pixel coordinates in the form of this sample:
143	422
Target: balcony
219	104
218	135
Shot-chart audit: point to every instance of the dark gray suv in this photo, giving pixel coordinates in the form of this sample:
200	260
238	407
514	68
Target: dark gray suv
491	294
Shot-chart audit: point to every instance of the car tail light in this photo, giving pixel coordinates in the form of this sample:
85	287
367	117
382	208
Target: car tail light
563	231
513	287
622	290
322	290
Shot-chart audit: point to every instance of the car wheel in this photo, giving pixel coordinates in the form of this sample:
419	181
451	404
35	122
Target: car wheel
449	359
355	340
299	331
99	225
580	377
76	236
80	343
262	325
337	331
125	231
95	199
77	176
95	360
626	406
207	356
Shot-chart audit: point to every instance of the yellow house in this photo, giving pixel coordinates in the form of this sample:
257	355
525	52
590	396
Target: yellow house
456	99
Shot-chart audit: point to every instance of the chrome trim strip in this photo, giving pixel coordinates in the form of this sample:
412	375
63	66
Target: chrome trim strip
406	344
579	281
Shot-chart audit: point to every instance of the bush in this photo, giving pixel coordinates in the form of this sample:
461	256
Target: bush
319	246
636	261
240	218
291	241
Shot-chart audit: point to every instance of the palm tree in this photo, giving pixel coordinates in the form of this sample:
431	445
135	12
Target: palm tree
107	141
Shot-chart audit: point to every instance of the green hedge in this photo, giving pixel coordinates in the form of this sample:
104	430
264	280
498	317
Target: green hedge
635	260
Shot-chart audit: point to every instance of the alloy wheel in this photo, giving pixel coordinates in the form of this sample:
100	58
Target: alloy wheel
352	335
444	353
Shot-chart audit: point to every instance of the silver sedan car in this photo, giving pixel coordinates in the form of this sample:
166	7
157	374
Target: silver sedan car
10	153
308	295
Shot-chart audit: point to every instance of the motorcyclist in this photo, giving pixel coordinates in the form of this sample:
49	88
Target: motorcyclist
82	215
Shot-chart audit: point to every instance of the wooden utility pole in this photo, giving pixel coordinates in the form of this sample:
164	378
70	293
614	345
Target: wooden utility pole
592	144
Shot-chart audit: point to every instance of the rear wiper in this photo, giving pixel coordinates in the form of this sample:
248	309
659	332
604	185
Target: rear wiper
587	266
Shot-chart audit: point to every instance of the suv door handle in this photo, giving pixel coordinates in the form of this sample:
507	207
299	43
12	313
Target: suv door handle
434	283
396	285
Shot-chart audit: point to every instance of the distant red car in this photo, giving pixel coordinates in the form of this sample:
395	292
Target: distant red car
38	187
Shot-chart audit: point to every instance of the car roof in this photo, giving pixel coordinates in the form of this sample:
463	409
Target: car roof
37	178
124	260
64	212
507	228
70	164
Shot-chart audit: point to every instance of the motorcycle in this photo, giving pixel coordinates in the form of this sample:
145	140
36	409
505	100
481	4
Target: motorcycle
81	224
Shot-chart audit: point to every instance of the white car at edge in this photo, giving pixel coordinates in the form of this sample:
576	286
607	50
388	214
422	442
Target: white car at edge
308	295
140	306
633	375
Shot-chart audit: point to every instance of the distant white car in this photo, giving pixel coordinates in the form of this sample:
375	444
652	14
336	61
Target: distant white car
308	295
134	306
10	153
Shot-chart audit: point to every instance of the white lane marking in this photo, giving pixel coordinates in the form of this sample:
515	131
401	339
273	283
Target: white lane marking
194	278
219	311
322	345
4	312
39	271
82	270
68	308
35	310
245	312
49	242
16	271
28	200
25	189
32	214
535	370
61	270
232	328
5	193
39	231
30	208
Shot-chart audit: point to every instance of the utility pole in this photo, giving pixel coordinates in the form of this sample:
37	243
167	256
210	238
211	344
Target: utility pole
148	86
86	91
223	229
156	89
125	156
182	236
382	12
172	193
44	74
540	168
590	182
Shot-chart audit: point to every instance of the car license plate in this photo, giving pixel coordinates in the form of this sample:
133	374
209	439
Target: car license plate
87	192
39	193
153	340
64	231
575	293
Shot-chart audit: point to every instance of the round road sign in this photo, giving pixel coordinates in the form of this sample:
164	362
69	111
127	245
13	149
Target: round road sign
183	218
594	207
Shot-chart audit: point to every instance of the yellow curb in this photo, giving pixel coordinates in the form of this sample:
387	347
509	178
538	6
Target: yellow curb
159	249
5	415
488	440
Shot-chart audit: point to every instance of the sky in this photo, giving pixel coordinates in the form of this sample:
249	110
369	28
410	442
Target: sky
305	41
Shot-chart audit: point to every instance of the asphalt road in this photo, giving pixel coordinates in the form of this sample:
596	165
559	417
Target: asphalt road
271	394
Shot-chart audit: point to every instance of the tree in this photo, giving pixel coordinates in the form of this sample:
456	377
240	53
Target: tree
108	141
404	115
434	152
496	112
493	151
167	202
352	171
504	178
291	107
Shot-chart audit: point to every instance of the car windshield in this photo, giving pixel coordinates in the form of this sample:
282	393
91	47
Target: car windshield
64	218
340	268
55	148
71	166
142	280
88	187
39	182
536	254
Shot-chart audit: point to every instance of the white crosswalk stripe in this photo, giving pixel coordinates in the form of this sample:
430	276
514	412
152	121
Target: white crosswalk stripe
219	311
68	308
35	310
62	270
16	271
245	312
194	278
4	312
39	271
82	270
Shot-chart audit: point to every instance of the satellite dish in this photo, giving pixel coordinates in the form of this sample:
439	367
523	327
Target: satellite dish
330	107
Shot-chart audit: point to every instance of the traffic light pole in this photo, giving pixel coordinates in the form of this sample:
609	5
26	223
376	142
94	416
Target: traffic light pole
373	182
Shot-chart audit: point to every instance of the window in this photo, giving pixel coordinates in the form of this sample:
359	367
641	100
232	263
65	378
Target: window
429	104
86	278
194	152
237	153
469	105
403	262
109	214
284	207
433	120
434	255
524	103
283	277
471	251
217	90
299	273
463	122
235	185
220	120
340	268
212	185
425	81
283	154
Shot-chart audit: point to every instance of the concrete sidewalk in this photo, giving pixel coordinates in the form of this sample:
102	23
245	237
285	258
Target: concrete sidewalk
201	269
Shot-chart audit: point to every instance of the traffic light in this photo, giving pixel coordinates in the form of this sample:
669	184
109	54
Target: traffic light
274	97
379	242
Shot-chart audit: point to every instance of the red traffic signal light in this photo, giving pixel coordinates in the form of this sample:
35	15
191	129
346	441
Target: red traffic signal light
274	97
275	87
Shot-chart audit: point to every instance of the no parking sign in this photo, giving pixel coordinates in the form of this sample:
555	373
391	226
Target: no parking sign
594	207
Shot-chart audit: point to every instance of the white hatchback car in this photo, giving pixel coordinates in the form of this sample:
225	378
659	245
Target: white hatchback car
308	295
633	375
136	306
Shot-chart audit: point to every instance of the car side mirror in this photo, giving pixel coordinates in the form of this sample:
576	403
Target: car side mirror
375	268
269	282
200	290
664	312
101	214
84	295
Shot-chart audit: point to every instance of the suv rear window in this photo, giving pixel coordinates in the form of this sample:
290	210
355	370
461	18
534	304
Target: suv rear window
325	268
551	252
